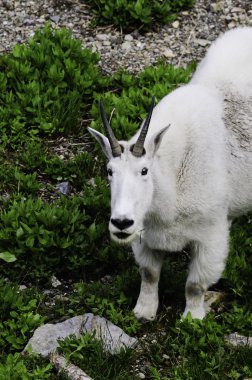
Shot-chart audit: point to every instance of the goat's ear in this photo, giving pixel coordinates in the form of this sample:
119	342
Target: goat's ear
103	141
155	141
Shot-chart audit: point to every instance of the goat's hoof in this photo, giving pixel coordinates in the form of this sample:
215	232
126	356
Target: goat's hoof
144	314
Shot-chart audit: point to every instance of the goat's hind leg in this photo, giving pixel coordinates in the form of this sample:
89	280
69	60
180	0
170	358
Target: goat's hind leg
150	263
207	265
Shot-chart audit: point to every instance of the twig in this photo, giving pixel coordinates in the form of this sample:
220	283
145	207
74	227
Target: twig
70	370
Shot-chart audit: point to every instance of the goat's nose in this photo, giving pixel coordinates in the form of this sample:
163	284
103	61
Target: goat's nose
122	224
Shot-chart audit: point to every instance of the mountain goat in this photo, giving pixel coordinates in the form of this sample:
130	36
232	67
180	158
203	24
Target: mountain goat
186	173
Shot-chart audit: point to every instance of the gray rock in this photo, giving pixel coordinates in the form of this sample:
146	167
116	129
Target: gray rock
28	21
113	337
55	19
126	46
22	287
239	340
63	187
168	53
128	37
202	42
216	7
45	338
102	37
175	24
55	282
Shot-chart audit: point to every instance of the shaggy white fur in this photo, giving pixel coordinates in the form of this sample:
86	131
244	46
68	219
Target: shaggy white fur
195	177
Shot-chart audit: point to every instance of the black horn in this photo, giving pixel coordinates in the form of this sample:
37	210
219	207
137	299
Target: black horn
115	146
138	149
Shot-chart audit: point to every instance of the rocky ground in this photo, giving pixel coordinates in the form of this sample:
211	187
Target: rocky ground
184	40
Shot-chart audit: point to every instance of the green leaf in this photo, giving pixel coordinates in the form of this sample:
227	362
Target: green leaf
7	256
19	232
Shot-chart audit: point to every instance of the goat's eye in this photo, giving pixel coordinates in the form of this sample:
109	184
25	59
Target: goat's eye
110	173
144	171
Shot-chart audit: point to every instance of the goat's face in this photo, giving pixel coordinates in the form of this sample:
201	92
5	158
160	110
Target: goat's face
130	172
131	195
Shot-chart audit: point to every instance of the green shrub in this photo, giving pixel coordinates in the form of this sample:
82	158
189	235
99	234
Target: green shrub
239	264
68	237
87	353
46	85
204	353
19	316
133	14
132	101
15	367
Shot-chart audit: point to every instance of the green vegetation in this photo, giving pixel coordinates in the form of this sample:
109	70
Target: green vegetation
44	233
130	15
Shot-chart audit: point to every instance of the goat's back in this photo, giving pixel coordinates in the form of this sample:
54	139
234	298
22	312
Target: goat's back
228	62
227	67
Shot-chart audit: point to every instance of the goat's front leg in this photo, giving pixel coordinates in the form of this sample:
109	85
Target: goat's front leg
150	263
207	265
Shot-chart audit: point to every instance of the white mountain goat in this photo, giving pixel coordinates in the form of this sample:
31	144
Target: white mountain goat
187	173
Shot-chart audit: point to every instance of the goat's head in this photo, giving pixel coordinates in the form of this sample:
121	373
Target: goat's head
130	172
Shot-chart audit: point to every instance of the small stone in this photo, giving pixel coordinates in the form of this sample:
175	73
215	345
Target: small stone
40	20
106	43
175	24
55	282
128	37
166	356
22	287
28	21
139	44
141	375
8	4
237	10
126	46
216	7
55	19
168	53
102	37
202	42
231	25
63	187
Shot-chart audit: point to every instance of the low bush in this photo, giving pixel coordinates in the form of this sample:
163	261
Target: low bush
46	85
133	14
130	104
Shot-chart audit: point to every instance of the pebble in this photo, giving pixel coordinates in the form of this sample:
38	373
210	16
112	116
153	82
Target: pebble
63	187
55	19
216	7
128	37
175	24
141	375
55	282
166	357
22	287
126	46
168	53
102	37
202	42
